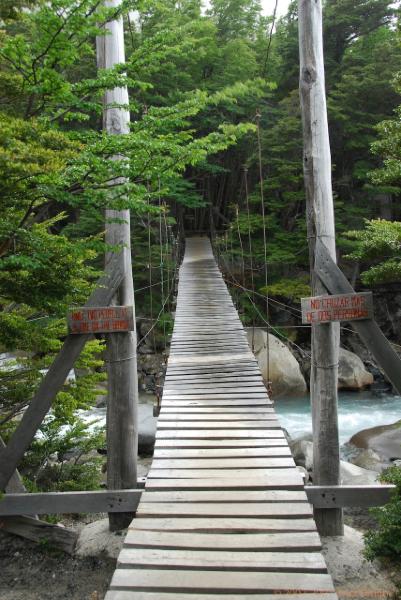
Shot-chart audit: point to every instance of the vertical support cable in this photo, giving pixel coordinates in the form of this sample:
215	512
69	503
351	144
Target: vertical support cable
262	202
250	253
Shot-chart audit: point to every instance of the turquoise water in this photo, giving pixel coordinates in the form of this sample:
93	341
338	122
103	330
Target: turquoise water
357	411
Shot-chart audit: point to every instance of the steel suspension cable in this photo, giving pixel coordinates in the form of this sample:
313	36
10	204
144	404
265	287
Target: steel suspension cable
162	268
150	279
250	250
241	245
262	202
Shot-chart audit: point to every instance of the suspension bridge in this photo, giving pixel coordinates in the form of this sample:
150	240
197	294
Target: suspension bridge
224	513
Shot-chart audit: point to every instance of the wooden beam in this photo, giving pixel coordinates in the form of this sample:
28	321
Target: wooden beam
320	226
338	496
122	401
55	377
40	531
115	501
369	331
14	485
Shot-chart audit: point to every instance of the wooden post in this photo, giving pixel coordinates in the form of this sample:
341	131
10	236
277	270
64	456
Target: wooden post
320	226
122	403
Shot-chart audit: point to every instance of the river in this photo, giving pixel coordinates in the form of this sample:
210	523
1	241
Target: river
356	411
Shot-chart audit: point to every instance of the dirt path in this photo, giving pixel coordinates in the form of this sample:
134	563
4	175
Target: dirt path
28	572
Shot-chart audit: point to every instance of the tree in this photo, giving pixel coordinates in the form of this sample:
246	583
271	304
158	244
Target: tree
56	166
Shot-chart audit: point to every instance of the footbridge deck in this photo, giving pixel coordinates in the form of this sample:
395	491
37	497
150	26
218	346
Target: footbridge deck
224	514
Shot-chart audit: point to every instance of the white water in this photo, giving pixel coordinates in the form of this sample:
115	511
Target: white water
356	411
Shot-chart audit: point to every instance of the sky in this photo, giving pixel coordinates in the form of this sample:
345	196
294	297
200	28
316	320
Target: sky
268	7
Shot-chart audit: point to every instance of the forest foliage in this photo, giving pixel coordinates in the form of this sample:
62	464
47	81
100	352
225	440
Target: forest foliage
197	80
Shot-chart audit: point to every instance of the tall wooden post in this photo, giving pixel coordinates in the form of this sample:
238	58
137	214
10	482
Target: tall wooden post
122	401
320	226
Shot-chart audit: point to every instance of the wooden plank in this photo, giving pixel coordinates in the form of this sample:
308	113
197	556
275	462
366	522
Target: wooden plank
195	418
223	473
246	386
218	434
40	531
194	581
222	463
348	495
210	425
221	443
215	410
55	377
136	595
70	502
281	496
215	402
233	377
233	394
220	452
305	541
221	509
292	480
289	562
217	359
223	525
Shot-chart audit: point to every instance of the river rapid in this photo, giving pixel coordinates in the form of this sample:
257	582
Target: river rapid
356	411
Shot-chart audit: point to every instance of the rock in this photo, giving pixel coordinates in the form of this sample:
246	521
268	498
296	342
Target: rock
353	575
284	371
353	475
385	440
368	459
302	452
147	429
286	435
95	539
304	473
352	374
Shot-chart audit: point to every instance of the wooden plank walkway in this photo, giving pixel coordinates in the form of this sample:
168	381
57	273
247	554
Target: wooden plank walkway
224	515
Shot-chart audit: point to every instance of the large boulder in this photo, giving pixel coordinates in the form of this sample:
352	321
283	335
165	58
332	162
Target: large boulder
302	452
96	539
147	424
369	459
284	372
353	475
352	374
385	440
353	576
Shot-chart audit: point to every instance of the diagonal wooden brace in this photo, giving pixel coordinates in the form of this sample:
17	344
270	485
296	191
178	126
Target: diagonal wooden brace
56	376
369	331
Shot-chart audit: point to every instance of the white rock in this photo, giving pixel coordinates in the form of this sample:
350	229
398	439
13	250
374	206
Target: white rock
284	371
352	374
369	459
302	450
304	473
95	539
354	475
353	575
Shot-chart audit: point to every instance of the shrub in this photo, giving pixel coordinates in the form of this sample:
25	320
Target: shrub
386	540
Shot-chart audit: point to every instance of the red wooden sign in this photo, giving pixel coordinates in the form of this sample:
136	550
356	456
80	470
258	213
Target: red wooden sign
110	319
343	307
